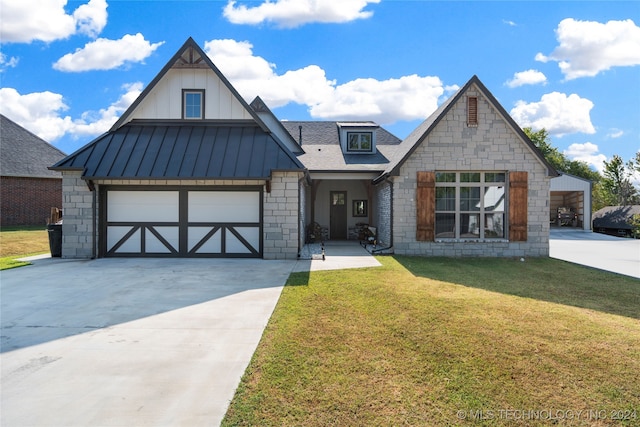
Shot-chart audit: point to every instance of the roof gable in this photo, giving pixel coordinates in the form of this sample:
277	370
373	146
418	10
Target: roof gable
189	68
24	154
420	134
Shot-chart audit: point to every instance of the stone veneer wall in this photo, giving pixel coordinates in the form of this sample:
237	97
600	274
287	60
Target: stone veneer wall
281	216
77	228
280	212
453	146
383	215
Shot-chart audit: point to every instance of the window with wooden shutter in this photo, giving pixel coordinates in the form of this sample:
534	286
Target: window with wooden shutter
518	200
425	202
472	111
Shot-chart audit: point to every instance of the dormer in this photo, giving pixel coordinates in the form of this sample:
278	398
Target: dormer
358	137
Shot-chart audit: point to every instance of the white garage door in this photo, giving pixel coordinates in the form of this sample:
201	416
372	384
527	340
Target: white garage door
183	223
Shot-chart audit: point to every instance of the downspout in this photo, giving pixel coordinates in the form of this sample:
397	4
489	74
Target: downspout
386	179
94	236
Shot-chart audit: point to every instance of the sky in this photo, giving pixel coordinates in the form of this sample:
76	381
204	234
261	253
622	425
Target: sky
69	69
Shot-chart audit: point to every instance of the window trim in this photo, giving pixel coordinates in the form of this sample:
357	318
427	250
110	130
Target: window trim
185	92
360	149
482	212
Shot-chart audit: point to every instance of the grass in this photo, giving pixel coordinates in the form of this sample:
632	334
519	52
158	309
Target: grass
430	341
19	242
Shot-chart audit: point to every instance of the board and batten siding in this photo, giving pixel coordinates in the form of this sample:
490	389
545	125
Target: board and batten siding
165	99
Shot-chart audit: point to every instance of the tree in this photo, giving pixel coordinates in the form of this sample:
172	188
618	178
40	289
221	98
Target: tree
616	182
557	159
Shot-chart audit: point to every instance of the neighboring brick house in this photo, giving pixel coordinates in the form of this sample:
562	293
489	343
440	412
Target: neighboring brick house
29	188
192	170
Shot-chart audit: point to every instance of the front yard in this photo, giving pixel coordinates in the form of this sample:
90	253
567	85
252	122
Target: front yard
448	342
18	242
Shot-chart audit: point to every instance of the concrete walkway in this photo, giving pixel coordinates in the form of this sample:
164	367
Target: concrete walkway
339	255
596	250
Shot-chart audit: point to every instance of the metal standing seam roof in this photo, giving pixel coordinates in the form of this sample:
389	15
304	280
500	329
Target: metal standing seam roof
23	154
147	150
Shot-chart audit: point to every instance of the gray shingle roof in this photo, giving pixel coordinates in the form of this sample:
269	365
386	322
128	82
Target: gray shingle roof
615	217
23	154
321	143
162	150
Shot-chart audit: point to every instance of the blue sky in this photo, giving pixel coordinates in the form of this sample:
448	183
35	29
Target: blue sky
69	69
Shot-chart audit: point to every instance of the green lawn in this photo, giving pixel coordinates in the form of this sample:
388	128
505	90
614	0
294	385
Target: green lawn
435	341
19	242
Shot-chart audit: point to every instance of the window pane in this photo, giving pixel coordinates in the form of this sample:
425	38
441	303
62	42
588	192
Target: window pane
494	226
445	225
192	105
445	198
469	198
470	177
494	198
354	141
445	177
470	225
365	142
494	177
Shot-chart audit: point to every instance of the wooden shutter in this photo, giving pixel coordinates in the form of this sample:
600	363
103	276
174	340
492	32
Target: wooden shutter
426	206
518	201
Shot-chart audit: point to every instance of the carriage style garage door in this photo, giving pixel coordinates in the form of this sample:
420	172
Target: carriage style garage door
182	222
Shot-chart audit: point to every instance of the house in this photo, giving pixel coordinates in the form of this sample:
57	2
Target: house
614	220
29	188
573	192
192	170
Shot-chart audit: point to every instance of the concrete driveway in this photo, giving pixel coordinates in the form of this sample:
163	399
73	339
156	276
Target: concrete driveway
124	342
596	250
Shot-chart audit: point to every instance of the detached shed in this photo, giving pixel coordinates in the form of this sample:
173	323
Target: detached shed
574	192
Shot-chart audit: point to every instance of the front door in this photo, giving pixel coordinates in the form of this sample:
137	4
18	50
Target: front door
338	215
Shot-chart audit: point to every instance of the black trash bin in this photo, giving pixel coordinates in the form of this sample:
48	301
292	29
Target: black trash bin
55	239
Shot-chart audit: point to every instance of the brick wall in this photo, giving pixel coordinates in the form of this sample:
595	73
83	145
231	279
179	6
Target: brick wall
28	201
491	146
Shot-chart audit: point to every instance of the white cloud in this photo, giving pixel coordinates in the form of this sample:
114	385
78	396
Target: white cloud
529	77
615	133
105	54
587	47
405	98
7	63
556	112
294	13
587	153
387	101
509	23
43	113
24	21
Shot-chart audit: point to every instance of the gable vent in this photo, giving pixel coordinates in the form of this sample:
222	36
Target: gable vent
472	111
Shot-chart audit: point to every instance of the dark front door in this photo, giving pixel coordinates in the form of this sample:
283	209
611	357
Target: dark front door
338	215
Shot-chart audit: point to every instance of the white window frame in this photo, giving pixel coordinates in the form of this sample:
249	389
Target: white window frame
483	214
185	93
